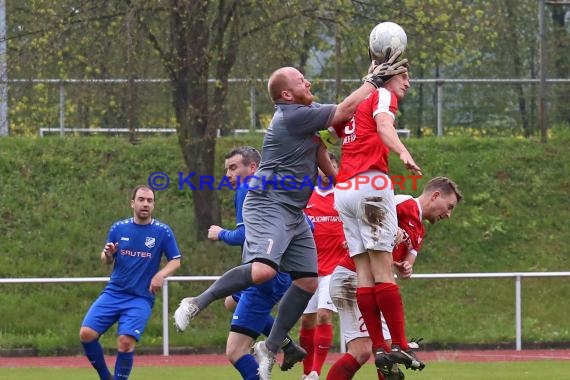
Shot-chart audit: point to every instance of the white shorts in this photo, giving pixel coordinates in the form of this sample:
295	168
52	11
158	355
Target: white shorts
367	208
322	297
343	294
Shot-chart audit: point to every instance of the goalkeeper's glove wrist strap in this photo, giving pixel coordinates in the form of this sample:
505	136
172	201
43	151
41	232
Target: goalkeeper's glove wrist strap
374	80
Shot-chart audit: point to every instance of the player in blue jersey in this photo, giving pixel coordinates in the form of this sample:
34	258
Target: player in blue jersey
135	247
252	314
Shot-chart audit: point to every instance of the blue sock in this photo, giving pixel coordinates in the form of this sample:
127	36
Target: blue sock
123	365
268	324
94	353
247	367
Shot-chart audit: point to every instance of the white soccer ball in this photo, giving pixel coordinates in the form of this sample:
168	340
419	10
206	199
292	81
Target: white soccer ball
386	38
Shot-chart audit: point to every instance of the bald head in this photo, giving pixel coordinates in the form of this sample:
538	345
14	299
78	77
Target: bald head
279	81
288	85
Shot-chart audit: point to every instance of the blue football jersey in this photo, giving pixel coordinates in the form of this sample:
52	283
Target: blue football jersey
139	252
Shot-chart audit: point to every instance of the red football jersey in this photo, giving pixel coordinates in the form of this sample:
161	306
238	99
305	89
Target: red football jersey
328	233
410	220
362	147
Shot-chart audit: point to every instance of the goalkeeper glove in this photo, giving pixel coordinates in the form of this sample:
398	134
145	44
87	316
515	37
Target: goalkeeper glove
328	138
383	72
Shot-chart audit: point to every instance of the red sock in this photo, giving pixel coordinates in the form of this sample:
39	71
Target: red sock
344	368
307	341
380	376
323	340
366	300
389	300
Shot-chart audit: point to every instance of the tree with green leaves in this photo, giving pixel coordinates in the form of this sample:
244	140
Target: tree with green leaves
198	45
204	40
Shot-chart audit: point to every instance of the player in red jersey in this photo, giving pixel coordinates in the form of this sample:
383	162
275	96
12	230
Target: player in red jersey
316	333
437	201
364	199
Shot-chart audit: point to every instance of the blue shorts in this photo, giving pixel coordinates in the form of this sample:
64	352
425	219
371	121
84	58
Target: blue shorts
132	313
256	303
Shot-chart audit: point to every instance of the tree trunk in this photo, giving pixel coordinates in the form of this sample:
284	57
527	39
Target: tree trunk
225	45
197	142
516	67
561	40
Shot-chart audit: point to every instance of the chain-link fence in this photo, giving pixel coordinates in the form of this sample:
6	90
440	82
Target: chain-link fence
432	106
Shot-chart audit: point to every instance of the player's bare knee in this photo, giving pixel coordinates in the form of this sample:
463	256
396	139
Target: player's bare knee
87	334
381	266
232	355
229	354
324	317
261	272
237	346
308	284
362	356
308	321
360	349
230	303
125	343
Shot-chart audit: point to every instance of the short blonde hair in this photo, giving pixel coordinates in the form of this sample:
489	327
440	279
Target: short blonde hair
445	186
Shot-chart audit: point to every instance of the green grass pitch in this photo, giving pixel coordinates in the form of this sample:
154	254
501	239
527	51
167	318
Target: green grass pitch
552	370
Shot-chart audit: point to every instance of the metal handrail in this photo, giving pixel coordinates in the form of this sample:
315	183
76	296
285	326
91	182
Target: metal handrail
165	315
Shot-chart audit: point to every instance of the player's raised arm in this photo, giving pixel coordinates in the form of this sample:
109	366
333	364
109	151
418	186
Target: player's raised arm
388	134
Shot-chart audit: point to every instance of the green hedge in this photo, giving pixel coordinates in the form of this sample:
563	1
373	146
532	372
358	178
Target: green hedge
60	195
